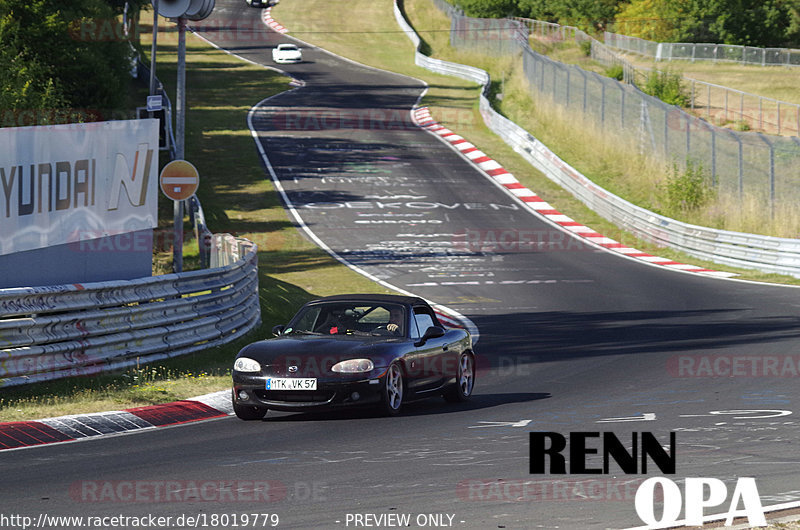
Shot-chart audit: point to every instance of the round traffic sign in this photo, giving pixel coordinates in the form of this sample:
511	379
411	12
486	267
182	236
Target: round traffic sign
179	180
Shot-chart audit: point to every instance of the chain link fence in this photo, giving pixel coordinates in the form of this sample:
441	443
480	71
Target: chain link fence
764	167
715	103
688	51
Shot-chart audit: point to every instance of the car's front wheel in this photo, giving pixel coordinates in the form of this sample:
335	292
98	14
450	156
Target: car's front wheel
248	412
465	380
392	398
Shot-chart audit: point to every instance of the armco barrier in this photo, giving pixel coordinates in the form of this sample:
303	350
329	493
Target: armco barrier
750	251
83	329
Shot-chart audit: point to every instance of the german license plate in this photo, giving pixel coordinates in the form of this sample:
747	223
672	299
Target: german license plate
291	383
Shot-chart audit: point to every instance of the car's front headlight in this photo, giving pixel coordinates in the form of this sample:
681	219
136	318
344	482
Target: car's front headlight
246	364
352	366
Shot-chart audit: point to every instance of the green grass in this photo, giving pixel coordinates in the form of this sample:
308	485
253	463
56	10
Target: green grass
775	82
238	198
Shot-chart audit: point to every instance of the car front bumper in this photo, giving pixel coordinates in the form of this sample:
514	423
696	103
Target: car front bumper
329	394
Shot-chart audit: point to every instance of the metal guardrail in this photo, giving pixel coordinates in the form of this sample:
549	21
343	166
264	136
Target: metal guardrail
53	332
765	253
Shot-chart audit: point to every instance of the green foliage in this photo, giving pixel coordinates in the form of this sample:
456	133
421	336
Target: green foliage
687	190
47	62
764	23
655	20
487	9
588	15
741	125
666	86
586	47
615	72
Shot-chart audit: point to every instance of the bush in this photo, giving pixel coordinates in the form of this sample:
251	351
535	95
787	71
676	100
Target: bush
615	72
586	47
687	190
666	86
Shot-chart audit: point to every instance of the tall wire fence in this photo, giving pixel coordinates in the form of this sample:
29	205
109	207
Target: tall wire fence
689	51
715	103
762	166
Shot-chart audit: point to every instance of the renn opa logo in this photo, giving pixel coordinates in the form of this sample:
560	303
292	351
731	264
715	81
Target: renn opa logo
546	456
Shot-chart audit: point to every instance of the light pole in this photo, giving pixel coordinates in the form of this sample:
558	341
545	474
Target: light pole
180	126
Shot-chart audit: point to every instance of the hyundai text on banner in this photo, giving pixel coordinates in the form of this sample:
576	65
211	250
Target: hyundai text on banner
66	183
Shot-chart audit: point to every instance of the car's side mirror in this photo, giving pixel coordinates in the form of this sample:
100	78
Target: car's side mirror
433	332
278	330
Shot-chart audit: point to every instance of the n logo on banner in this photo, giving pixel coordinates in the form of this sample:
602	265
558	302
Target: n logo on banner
133	181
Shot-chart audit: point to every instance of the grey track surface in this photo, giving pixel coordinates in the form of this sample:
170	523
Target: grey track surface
570	336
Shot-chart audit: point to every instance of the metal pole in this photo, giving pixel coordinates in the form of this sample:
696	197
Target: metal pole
602	103
177	248
726	104
713	157
153	51
741	106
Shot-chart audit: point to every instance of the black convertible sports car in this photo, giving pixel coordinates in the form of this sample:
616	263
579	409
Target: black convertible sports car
356	349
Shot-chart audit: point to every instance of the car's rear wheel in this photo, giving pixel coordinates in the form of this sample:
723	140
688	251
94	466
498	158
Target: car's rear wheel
465	380
248	412
392	398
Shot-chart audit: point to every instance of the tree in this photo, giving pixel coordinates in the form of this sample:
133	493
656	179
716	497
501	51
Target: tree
655	20
488	8
763	23
592	15
47	62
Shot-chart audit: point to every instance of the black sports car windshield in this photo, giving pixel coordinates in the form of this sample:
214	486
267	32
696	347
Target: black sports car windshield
350	318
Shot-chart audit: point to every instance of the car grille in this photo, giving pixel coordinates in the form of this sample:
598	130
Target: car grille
295	396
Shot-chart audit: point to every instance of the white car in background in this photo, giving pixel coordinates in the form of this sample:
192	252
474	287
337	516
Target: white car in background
287	53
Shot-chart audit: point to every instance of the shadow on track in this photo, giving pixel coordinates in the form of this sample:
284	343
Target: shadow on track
423	407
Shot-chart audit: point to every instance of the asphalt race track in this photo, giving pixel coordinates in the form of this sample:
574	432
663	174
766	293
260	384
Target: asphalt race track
572	339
